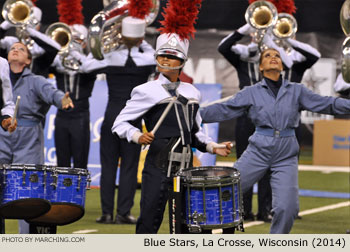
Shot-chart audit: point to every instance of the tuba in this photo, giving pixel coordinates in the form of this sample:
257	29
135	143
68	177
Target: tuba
62	34
285	27
261	15
345	24
20	14
105	27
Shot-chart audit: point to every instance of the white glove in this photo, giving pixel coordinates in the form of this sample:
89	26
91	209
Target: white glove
6	25
246	29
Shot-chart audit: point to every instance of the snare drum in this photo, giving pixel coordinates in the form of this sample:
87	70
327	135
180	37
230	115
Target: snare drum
23	190
67	193
212	198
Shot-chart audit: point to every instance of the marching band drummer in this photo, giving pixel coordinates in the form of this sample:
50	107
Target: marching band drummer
125	68
72	127
26	144
181	124
274	106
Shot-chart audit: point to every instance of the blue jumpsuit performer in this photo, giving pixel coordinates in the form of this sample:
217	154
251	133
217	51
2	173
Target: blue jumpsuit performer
274	106
26	144
125	68
245	59
182	123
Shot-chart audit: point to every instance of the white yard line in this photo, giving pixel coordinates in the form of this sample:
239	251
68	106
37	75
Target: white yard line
85	231
307	212
320	168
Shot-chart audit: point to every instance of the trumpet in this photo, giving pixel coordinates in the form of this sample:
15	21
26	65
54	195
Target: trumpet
62	34
20	14
286	27
105	27
261	15
345	24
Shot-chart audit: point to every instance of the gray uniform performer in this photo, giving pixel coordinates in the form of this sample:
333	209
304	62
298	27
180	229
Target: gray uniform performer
274	145
26	144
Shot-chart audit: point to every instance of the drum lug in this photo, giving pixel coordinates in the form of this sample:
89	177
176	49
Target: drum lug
4	182
54	183
196	218
79	180
24	177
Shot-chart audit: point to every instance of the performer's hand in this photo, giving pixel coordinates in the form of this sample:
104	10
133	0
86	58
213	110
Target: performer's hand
246	29
146	138
6	124
67	101
223	151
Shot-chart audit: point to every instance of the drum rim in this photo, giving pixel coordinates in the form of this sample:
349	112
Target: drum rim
196	179
71	171
21	166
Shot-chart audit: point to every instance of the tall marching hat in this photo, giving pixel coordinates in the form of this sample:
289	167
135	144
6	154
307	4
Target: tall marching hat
178	26
134	25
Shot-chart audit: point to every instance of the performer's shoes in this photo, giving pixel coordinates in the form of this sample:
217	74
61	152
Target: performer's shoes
126	219
265	218
249	217
105	219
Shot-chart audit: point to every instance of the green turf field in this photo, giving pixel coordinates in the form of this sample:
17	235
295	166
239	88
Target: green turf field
335	221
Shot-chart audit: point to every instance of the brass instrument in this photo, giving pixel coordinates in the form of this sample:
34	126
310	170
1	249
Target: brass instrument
105	28
261	15
345	24
285	27
62	34
20	14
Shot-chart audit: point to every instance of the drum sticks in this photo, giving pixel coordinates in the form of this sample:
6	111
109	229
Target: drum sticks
164	114
16	109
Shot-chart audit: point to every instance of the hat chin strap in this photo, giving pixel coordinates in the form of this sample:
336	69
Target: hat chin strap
171	68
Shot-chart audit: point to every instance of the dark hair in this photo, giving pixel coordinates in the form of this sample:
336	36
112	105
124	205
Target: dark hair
262	53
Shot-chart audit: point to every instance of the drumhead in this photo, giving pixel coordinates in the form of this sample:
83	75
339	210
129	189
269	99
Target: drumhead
208	174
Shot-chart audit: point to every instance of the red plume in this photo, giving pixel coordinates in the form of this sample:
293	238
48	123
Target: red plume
139	8
285	6
70	11
179	17
33	1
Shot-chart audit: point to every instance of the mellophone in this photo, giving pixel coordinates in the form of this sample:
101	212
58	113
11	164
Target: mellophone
42	194
211	198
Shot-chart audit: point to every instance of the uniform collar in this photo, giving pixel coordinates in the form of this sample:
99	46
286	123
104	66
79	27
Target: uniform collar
284	82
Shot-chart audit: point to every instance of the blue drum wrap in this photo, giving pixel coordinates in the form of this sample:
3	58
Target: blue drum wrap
23	190
211	197
70	187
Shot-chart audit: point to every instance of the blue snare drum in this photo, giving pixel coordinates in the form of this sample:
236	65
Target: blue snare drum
212	198
23	190
67	193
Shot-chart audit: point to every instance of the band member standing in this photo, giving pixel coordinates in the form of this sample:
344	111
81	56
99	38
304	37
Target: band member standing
26	144
72	127
125	68
181	125
245	59
274	106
